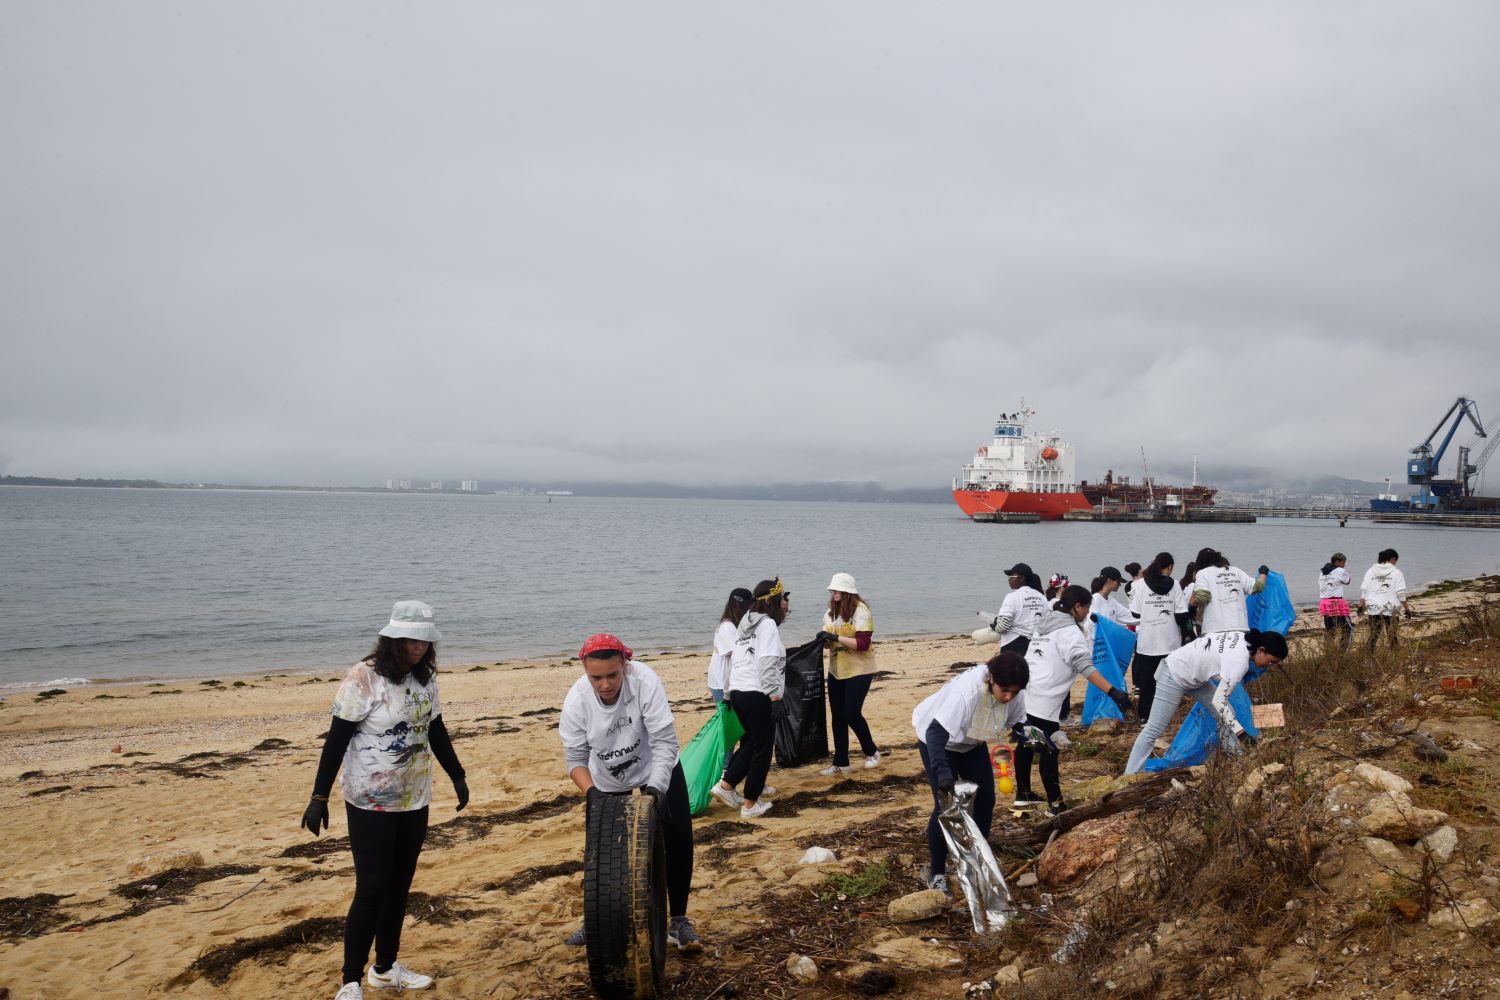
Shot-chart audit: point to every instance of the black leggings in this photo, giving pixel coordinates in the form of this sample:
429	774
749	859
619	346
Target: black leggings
752	758
1050	779
385	846
1338	627
968	765
678	830
1143	673
1385	623
846	702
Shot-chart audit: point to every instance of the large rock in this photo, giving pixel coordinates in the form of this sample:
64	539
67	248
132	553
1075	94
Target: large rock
1441	843
1380	779
1346	798
1082	849
1383	851
1469	915
916	906
1256	779
915	953
1392	816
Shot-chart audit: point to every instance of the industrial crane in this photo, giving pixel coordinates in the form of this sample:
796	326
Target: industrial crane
1422	467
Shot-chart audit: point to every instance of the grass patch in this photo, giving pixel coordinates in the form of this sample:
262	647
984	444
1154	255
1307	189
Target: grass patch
874	877
1085	747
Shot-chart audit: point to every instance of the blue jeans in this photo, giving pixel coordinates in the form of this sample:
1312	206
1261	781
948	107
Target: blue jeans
1169	694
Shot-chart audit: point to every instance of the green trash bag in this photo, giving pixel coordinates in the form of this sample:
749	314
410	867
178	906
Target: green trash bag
703	759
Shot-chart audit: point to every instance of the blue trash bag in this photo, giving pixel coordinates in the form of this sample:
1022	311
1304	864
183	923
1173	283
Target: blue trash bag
1114	645
1271	610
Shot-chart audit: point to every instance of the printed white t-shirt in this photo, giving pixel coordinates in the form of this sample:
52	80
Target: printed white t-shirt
1157	634
749	650
1332	584
1025	607
1228	586
718	664
1051	657
617	737
967	709
388	766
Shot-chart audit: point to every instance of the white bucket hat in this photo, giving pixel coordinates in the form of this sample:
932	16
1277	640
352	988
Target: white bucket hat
844	583
412	620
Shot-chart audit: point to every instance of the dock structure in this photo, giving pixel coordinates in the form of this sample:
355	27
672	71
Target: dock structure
1005	517
1249	515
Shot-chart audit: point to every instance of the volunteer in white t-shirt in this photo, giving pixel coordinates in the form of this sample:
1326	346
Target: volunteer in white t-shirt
1022	608
386	730
757	680
1060	652
953	724
1189	672
1164	624
1103	604
618	737
1382	596
1219	592
1332	605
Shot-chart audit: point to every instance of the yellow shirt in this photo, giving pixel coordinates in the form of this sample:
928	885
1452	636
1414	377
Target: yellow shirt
844	663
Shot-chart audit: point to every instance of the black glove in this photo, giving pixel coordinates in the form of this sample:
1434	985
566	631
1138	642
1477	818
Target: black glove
315	816
461	789
1264	569
778	710
1245	738
826	638
945	784
1408	614
1093	616
1017	734
1122	702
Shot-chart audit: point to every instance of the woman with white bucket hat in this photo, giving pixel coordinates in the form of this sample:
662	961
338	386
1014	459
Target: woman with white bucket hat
387	727
848	628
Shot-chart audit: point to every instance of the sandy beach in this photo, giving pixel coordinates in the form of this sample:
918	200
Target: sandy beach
100	789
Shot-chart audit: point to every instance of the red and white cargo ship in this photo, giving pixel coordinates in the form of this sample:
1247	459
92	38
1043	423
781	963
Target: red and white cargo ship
1020	472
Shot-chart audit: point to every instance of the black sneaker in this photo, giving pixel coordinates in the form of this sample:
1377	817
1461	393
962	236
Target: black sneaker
1057	808
681	936
1027	800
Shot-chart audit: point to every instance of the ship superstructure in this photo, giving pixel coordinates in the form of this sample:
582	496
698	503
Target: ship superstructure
1020	472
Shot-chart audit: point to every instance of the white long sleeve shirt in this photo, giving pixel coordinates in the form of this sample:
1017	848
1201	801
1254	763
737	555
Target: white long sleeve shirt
626	745
1222	656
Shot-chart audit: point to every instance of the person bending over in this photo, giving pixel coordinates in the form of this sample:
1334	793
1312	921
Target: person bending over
952	725
618	736
1190	672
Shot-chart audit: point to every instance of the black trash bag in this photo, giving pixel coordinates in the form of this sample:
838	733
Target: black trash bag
801	727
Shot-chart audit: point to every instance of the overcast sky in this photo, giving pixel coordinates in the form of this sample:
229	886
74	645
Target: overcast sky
336	242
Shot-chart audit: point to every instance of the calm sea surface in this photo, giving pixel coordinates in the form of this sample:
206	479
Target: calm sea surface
108	584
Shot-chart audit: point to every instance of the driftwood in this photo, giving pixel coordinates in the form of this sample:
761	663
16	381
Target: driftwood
1132	796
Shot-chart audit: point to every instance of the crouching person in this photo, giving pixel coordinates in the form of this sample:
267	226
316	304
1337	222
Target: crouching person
618	736
952	726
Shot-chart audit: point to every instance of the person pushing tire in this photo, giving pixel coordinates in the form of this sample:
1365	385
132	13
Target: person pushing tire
618	736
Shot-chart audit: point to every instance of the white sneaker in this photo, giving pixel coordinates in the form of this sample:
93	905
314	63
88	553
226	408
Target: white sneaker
350	991
766	790
728	796
397	977
873	760
760	808
833	769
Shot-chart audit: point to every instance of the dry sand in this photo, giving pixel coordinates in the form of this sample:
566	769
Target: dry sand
97	778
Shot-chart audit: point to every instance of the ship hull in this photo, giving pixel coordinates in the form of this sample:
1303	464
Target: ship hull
1048	506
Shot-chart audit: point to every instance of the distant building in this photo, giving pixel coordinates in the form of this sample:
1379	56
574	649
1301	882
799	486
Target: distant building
403	484
436	484
390	484
469	486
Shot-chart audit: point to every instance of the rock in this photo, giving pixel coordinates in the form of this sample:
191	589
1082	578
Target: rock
1255	779
1392	816
1441	843
1408	909
802	969
1106	727
1382	851
916	906
915	953
1469	915
808	877
1346	797
1027	880
1380	779
1011	975
1082	849
162	861
817	856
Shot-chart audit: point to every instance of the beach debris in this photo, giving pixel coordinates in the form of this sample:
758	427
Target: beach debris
1391	815
817	856
1380	779
1459	682
163	861
974	866
982	990
802	969
923	905
1426	748
116	749
918	953
1106	727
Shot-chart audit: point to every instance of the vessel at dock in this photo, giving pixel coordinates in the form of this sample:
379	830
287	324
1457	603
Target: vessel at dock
1148	492
1019	472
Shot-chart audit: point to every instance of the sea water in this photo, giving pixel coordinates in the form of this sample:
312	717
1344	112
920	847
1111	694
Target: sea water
113	583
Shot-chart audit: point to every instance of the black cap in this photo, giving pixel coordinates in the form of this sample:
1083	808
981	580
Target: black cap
1019	569
1110	573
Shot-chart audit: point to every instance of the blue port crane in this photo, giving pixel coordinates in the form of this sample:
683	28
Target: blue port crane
1422	467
